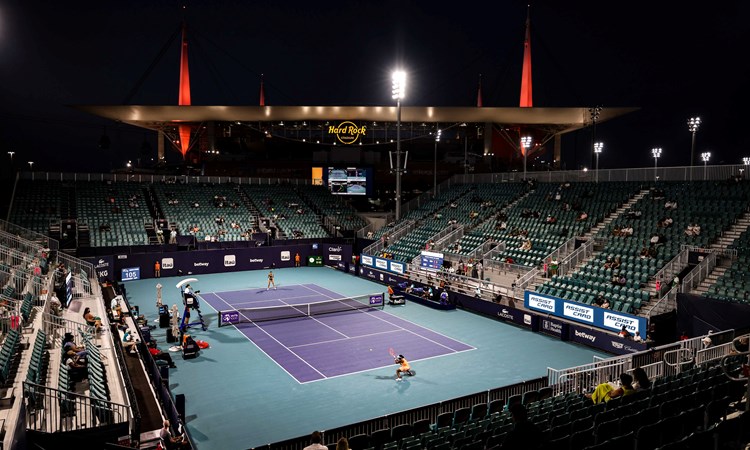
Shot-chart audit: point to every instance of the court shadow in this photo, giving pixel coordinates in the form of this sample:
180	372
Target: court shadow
382	377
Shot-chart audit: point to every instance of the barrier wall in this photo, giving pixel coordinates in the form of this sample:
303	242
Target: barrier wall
541	323
388	265
128	267
588	314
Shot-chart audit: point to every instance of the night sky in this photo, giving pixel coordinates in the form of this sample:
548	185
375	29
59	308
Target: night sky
670	59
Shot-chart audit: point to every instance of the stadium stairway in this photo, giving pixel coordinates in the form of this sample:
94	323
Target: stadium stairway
609	219
730	236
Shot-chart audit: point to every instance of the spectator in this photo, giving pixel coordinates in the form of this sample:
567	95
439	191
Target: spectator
624	333
173	235
159	355
159	235
525	434
92	320
171	441
684	336
342	444
316	442
706	341
637	337
607	391
641	379
76	367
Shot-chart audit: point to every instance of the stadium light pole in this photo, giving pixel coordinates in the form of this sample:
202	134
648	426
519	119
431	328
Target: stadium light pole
11	157
598	147
693	124
434	170
31	166
746	161
399	84
525	144
657	153
705	156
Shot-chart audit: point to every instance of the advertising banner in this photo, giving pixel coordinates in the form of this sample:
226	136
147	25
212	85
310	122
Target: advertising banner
604	341
103	266
496	310
385	264
131	274
587	314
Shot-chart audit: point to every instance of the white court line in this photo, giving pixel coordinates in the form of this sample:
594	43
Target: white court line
263	351
346	338
313	318
409	331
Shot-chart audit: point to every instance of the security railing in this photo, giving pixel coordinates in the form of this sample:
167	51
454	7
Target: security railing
27	235
53	410
673	267
699	273
395	234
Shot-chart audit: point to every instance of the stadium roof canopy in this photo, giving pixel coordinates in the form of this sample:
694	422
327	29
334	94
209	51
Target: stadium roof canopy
556	120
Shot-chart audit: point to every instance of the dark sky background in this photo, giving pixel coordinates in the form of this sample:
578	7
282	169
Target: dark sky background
671	59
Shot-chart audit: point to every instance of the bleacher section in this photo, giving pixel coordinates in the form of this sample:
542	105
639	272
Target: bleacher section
293	217
36	204
115	213
333	207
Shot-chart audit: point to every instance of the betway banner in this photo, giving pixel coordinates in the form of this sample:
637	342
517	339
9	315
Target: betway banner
604	341
586	314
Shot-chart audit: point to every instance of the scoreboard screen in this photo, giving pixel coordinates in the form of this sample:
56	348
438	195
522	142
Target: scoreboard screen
431	260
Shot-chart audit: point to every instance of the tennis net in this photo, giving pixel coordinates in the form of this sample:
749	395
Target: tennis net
267	313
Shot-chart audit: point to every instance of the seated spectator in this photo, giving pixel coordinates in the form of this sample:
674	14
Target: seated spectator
551	219
605	305
608	263
525	434
637	338
670	205
616	263
92	320
176	441
626	231
599	300
526	245
624	333
607	391
617	231
159	355
583	216
196	205
76	367
641	378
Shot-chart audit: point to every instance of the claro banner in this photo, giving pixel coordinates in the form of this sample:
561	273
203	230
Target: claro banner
586	314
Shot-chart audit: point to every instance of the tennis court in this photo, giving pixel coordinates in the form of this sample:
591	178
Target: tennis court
314	333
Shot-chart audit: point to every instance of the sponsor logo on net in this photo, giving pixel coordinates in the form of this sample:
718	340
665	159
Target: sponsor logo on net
584	335
167	263
505	314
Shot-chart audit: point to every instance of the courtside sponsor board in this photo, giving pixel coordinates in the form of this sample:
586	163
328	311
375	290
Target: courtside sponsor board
540	303
578	312
366	260
381	263
617	321
167	263
397	267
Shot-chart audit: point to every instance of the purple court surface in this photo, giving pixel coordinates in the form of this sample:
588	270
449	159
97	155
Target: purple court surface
334	344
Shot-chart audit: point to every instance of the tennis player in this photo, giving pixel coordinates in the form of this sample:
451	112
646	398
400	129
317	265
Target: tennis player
270	280
403	367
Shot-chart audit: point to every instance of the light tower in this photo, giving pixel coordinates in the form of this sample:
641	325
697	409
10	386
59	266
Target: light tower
693	124
598	147
525	145
657	153
705	156
434	170
399	85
